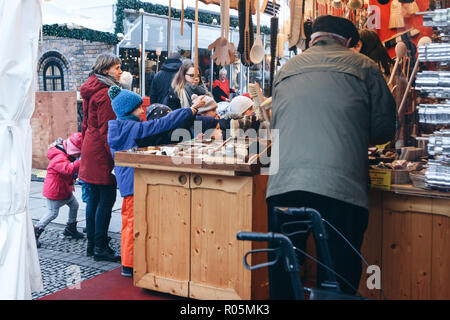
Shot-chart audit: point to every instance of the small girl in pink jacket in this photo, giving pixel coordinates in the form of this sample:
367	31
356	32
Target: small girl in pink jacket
58	184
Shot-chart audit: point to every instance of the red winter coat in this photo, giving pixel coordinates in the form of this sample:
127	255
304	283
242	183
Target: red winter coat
58	183
96	160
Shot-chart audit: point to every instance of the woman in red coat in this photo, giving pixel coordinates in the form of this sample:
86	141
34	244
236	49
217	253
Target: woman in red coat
221	87
96	161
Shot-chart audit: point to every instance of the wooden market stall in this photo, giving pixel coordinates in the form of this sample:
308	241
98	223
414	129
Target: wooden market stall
187	215
186	219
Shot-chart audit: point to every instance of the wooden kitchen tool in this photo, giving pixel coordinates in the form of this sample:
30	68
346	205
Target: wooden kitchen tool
170	25
182	17
247	33
257	51
400	51
423	41
223	49
196	40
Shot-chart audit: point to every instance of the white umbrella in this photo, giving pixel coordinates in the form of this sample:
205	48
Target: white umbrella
20	22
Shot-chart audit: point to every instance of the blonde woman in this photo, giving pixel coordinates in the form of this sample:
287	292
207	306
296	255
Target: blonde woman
184	85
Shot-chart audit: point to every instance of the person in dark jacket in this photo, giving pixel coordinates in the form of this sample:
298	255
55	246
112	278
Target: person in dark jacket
122	135
163	79
329	104
97	164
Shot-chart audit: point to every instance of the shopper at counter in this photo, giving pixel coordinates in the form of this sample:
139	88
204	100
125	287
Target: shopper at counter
329	103
122	135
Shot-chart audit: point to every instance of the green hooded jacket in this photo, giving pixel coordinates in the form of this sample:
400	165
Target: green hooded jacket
329	104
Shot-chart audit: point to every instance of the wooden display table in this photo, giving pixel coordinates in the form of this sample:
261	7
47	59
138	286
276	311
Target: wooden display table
186	218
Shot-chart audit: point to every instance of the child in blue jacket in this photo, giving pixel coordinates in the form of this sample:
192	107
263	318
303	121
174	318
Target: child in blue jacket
122	135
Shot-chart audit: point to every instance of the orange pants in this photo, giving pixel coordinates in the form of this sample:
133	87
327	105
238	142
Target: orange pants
126	242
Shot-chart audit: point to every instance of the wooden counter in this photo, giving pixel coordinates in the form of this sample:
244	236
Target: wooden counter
409	237
186	218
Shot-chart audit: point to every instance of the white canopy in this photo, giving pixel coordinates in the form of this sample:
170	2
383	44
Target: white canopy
20	22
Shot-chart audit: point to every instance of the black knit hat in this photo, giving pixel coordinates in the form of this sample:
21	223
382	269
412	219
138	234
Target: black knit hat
156	111
337	25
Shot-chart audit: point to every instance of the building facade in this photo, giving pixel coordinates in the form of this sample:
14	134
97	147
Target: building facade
65	63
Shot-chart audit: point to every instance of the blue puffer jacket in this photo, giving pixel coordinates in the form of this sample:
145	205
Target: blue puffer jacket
123	133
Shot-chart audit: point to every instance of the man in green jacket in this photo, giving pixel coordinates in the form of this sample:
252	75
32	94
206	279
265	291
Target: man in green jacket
329	104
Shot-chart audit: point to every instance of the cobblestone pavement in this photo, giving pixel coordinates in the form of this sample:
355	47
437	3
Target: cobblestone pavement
64	262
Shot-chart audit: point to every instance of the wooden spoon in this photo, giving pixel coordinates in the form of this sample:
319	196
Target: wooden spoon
257	51
400	51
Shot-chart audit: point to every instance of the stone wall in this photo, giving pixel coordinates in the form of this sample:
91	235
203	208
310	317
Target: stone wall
76	58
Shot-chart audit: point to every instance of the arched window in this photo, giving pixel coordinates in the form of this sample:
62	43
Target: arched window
53	77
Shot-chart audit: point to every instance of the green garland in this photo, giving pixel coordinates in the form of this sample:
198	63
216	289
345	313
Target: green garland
161	10
80	34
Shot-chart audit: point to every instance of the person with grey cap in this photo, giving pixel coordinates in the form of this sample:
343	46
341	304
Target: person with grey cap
329	104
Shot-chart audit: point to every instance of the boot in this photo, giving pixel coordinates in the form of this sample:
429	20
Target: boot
37	233
90	249
105	254
71	231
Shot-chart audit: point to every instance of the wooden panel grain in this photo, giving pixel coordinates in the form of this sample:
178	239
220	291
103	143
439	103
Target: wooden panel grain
55	115
166	226
372	243
218	213
406	254
440	276
259	277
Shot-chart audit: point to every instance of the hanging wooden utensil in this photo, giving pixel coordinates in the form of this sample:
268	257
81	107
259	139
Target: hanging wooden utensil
170	25
247	32
196	40
223	50
182	17
400	51
257	51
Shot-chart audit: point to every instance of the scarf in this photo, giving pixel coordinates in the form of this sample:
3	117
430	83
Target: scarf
108	80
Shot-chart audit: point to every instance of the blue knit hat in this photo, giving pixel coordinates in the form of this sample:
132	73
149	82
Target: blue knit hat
123	101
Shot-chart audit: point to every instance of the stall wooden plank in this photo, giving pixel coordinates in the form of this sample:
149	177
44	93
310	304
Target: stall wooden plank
260	277
167	226
406	254
221	206
440	277
372	243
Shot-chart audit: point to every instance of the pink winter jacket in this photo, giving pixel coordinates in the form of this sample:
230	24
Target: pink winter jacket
58	184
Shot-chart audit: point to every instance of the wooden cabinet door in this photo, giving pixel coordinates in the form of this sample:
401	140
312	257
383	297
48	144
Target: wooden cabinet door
162	231
221	206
